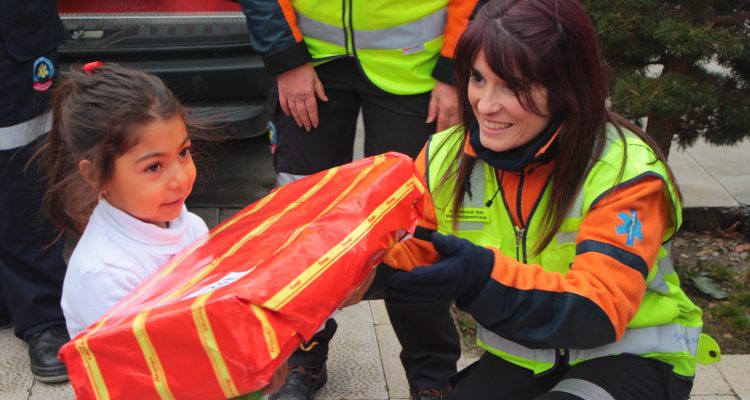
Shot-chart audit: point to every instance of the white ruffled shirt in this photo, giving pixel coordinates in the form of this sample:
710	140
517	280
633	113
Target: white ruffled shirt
115	254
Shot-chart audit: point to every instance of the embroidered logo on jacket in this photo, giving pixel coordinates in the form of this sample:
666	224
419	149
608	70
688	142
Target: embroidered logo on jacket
44	70
631	226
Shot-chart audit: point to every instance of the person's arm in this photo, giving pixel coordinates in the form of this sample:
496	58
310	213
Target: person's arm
98	290
417	250
443	106
591	305
274	33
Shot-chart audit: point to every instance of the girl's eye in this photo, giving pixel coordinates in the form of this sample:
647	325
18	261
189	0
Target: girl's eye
185	152
155	167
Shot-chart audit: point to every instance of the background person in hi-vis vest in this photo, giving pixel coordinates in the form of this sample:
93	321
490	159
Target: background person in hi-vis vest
553	217
31	262
391	60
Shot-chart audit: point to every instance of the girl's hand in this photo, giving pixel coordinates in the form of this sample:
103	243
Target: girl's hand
356	297
277	380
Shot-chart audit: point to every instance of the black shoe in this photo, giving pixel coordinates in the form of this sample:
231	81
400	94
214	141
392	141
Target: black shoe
429	394
301	383
43	349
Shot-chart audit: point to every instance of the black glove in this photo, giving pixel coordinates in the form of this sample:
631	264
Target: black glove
461	273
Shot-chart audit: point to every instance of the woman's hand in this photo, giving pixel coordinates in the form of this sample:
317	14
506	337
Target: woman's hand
443	106
299	89
461	273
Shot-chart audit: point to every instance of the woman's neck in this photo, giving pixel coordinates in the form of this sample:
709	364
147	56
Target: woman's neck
540	149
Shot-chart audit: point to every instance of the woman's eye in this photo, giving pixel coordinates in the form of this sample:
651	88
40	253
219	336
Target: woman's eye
155	167
476	77
185	152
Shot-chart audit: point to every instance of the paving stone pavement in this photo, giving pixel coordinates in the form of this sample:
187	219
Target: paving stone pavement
364	361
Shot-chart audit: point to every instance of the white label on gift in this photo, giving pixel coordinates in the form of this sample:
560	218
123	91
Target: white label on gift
225	280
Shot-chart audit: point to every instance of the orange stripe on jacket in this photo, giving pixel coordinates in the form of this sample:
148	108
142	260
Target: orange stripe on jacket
535	178
459	12
291	18
615	287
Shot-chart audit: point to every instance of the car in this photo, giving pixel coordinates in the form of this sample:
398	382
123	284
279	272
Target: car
202	50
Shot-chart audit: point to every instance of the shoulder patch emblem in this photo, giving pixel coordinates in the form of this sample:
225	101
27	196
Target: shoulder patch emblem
44	70
631	226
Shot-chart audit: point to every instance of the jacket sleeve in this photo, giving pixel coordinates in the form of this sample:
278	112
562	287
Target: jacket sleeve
591	305
417	250
272	25
459	12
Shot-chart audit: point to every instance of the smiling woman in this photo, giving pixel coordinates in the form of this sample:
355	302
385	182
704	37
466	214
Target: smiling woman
503	121
553	218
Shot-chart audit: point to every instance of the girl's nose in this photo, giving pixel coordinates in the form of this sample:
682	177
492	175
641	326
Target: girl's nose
179	178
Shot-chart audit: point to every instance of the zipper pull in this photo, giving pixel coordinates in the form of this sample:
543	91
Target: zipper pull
519	235
519	239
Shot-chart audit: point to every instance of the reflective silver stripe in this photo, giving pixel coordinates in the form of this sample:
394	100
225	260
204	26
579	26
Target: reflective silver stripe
318	30
583	389
476	200
672	338
664	267
566	237
402	36
19	135
282	178
498	342
576	210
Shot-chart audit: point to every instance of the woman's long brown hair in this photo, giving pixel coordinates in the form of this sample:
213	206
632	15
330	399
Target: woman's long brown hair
552	44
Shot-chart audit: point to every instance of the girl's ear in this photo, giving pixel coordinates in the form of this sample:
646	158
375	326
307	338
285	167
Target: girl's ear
86	170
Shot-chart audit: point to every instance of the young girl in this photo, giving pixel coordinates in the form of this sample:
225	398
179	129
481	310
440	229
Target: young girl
564	213
120	170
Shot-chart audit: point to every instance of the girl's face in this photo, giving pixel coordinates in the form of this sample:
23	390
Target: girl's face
153	178
503	123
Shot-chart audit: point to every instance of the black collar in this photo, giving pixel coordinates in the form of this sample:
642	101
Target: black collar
516	159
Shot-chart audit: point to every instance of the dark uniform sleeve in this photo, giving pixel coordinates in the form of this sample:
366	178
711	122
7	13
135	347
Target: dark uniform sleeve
272	25
28	30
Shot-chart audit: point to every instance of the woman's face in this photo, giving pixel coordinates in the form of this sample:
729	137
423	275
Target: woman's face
503	123
152	179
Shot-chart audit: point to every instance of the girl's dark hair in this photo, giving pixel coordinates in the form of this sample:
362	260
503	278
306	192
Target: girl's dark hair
552	44
95	117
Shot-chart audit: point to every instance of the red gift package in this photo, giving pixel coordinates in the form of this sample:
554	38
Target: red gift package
218	320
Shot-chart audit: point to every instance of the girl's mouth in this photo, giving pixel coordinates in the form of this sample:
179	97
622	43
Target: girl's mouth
175	203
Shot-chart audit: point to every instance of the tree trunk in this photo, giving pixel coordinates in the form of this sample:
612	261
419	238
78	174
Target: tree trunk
661	128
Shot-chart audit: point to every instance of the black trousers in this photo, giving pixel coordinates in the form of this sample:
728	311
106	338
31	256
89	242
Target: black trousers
427	333
31	262
622	377
391	122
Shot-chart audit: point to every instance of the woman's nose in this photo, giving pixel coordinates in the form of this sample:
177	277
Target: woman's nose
489	103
